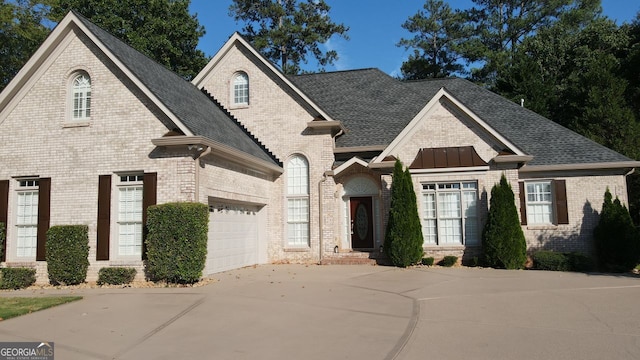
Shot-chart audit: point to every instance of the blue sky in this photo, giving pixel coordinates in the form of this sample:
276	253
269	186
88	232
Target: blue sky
375	28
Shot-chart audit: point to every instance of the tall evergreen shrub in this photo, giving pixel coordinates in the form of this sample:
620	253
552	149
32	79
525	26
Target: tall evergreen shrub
503	241
177	242
67	254
403	240
616	238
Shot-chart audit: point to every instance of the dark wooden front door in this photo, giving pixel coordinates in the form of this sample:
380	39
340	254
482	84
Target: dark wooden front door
361	223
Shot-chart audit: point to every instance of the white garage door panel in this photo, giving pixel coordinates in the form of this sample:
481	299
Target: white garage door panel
233	238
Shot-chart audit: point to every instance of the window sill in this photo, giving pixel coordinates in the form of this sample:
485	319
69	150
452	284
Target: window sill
125	262
74	124
238	106
542	227
447	246
297	249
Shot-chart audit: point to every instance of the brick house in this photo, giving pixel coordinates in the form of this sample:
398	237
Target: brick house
293	168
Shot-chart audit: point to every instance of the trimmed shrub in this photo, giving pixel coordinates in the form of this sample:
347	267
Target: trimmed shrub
503	241
17	278
403	240
67	254
448	261
581	262
2	240
428	261
177	242
557	261
616	238
116	275
550	260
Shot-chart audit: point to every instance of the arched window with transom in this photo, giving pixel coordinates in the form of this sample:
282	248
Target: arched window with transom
297	201
241	89
81	97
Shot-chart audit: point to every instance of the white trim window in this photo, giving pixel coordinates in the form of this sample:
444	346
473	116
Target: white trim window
297	202
81	97
539	202
27	218
130	215
450	214
241	89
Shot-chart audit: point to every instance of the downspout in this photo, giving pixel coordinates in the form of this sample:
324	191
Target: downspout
206	152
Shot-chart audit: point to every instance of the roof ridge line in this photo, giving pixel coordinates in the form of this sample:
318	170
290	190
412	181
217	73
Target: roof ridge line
242	127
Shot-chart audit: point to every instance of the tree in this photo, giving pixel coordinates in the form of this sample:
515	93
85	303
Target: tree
501	26
616	238
503	241
439	32
573	76
403	240
288	31
21	32
164	30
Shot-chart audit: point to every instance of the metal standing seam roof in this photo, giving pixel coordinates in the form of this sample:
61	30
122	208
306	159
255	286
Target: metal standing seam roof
375	108
193	108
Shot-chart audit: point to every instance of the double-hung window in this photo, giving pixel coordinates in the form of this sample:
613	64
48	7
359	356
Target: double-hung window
449	213
298	202
130	215
544	202
27	220
539	202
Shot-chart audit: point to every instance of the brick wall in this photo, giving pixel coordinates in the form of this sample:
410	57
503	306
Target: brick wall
37	141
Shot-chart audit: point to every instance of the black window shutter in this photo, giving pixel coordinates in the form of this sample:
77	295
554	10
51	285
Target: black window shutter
4	211
149	198
104	217
523	204
44	206
560	193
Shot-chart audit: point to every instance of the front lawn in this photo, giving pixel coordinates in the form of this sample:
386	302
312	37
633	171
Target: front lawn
16	306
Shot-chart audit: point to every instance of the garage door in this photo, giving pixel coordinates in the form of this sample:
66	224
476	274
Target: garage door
234	236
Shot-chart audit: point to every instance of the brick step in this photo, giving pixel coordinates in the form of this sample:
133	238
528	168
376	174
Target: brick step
350	260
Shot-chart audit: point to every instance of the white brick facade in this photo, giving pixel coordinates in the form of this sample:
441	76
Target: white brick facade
39	141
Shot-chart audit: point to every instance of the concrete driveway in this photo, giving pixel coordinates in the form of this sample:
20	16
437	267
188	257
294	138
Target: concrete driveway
349	312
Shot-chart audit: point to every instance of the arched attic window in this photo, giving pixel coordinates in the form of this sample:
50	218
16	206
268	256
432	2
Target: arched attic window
240	89
80	97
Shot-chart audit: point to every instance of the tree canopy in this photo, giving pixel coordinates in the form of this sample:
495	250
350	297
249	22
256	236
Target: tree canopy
288	32
162	29
439	34
21	32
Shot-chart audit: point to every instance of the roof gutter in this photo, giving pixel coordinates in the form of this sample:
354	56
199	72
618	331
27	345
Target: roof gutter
588	166
229	153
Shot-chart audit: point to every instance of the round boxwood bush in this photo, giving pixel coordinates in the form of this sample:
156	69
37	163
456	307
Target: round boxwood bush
67	253
116	275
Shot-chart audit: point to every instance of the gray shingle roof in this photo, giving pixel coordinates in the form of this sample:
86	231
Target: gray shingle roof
375	107
196	110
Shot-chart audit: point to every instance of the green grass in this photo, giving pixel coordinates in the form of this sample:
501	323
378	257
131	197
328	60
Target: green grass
16	306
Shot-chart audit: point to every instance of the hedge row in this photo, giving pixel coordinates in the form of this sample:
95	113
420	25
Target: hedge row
558	261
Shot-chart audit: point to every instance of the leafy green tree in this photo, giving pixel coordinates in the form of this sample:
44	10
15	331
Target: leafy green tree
288	31
438	32
164	30
503	241
502	26
21	32
403	240
616	238
573	76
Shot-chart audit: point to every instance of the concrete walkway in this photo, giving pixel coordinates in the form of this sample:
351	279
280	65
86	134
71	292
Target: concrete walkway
348	312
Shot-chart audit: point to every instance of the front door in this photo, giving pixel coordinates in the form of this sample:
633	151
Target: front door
361	223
